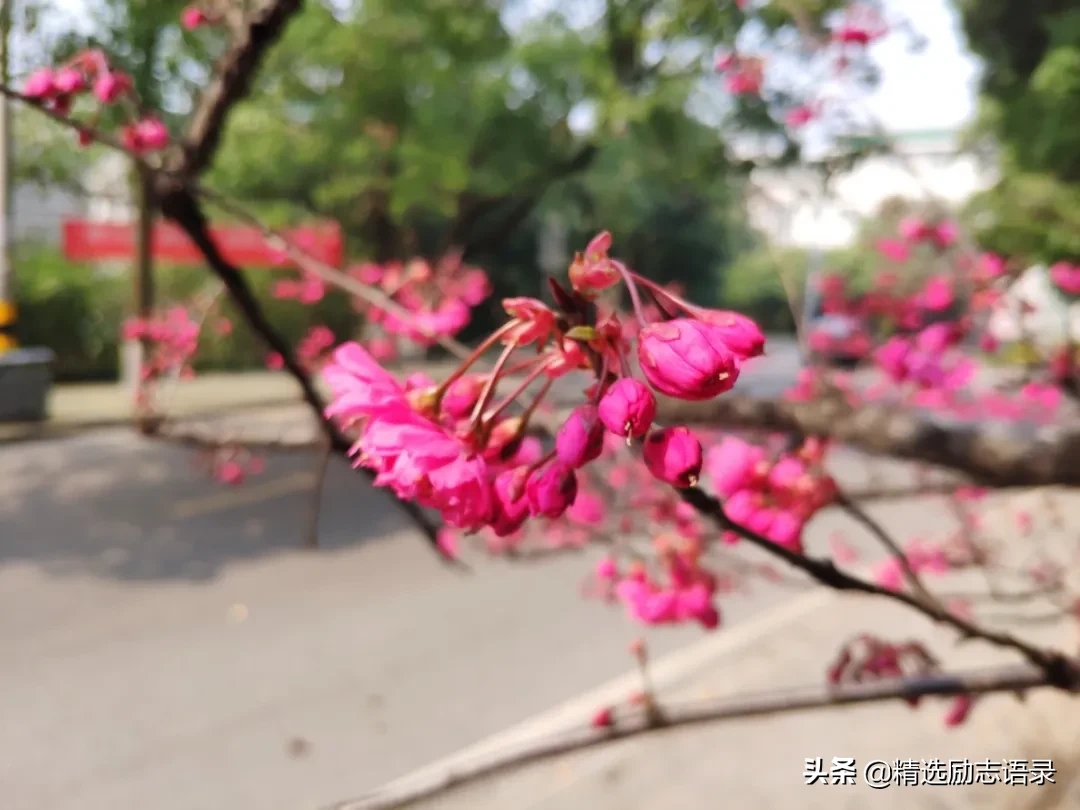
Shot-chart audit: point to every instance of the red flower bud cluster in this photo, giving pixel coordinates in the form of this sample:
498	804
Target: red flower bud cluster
89	74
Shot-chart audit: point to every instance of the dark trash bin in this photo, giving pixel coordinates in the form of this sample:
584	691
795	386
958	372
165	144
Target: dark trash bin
25	380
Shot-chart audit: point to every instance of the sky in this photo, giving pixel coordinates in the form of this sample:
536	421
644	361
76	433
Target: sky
934	89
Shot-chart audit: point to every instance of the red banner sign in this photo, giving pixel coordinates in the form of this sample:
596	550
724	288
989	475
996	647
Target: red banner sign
85	240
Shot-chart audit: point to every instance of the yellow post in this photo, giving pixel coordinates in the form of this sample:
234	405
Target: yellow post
7	326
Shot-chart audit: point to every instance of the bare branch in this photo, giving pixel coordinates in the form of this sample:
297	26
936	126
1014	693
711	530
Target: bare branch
178	205
232	76
660	718
1059	669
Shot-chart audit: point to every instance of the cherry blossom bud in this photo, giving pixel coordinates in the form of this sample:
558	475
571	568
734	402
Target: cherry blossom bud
40	84
627	408
551	490
462	394
152	134
674	456
581	437
511	506
738	332
603	718
959	710
110	86
446	539
193	17
69	81
606	570
687	359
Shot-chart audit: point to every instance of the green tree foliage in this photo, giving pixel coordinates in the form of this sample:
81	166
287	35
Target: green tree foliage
1030	102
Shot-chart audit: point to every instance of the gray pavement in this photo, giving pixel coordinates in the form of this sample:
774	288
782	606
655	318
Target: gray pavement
169	645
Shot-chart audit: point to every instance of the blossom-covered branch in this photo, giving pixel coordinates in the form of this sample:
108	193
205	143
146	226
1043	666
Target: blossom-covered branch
996	457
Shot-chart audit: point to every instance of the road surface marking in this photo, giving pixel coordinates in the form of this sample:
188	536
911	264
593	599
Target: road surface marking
244	496
666	671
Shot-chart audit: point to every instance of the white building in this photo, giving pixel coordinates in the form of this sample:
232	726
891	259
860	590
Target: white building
794	208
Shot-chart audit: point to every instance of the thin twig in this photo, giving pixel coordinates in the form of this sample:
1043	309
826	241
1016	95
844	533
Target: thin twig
1059	669
639	722
322	466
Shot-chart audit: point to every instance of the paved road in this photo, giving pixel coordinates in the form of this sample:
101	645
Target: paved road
167	644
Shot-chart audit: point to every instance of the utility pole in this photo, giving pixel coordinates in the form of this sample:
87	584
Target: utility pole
7	273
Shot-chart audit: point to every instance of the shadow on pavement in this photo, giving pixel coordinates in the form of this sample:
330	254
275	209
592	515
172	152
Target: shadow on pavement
110	504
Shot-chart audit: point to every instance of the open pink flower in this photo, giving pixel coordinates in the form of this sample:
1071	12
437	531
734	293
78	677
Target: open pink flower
687	359
673	455
461	490
537	321
594	271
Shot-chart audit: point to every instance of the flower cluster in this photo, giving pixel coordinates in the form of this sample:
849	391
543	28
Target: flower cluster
772	497
452	447
174	337
867	658
437	299
88	74
922	558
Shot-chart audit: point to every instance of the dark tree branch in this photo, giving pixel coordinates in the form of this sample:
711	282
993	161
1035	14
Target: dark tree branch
180	206
886	540
986	455
1060	670
1016	678
232	77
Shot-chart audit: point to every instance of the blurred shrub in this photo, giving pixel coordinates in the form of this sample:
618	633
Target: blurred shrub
77	311
754	283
